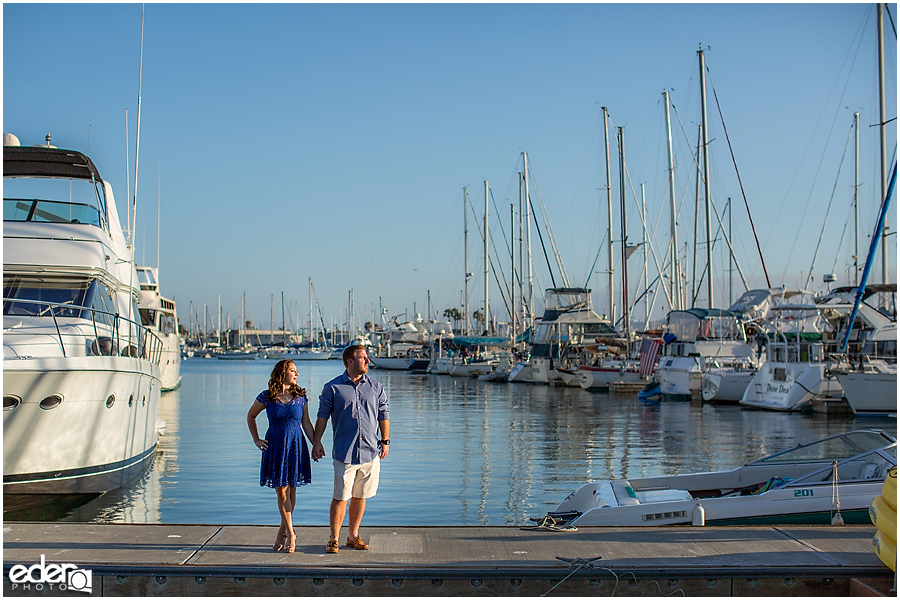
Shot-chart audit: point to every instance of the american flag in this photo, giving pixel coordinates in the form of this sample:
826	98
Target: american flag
649	351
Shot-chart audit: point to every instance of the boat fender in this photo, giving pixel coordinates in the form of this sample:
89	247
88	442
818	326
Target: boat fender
698	514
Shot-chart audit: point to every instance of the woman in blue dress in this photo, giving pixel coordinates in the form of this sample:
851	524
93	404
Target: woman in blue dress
285	456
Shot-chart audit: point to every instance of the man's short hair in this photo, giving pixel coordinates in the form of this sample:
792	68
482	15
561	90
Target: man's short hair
349	351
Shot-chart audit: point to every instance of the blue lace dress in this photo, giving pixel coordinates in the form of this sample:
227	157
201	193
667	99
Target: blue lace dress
285	462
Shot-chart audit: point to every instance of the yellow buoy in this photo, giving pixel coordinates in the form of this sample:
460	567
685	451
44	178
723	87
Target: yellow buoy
889	489
884	517
886	549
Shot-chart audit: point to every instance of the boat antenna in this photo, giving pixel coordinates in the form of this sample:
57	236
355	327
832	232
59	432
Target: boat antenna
131	314
137	143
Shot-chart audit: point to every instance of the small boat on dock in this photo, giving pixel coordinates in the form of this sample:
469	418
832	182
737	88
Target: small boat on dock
796	486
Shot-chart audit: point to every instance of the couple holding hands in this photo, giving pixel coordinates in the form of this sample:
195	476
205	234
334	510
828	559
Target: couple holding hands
360	422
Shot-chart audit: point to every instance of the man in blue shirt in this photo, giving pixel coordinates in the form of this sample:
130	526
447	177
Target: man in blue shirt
359	413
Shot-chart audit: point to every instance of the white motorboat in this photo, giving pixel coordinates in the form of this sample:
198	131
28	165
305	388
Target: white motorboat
872	391
726	384
564	335
481	355
309	354
392	363
726	381
81	375
237	354
800	365
695	336
870	386
159	315
796	486
607	373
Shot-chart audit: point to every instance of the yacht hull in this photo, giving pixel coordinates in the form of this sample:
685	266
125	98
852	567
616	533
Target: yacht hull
723	385
170	362
789	386
81	445
871	394
600	378
679	376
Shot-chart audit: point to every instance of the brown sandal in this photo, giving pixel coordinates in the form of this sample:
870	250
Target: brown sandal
289	544
279	542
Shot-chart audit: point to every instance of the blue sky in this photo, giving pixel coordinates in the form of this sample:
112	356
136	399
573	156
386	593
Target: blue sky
333	141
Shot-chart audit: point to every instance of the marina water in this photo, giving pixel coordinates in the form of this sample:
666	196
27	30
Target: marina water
463	452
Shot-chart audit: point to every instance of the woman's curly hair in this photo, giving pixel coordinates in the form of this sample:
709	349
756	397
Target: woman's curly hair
278	379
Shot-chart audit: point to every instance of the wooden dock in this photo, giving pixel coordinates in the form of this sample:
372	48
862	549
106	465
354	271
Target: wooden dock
208	560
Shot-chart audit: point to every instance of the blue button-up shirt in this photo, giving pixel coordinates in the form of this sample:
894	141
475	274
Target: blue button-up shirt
354	412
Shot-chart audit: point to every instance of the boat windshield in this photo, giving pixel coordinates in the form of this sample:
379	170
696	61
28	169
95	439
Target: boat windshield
868	466
28	295
53	200
833	448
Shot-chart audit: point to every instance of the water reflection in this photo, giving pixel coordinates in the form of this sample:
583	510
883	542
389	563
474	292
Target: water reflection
463	453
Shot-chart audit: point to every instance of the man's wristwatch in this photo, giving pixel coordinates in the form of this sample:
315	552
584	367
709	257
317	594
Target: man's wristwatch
385	442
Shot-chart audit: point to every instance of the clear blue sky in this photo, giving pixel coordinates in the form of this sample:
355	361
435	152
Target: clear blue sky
332	141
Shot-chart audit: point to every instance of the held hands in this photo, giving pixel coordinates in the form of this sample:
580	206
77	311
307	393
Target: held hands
318	451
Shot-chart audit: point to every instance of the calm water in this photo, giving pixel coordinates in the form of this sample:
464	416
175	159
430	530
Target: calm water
463	452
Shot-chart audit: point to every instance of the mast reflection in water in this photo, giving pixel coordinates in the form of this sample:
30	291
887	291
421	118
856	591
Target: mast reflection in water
463	452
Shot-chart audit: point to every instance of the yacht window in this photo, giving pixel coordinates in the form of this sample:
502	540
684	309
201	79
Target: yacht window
54	200
599	329
148	317
99	299
145	277
166	324
42	292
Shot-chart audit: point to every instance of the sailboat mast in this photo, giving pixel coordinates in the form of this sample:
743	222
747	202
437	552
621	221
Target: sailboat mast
610	280
487	304
625	311
856	202
466	252
882	129
310	311
709	278
646	266
527	219
675	282
512	256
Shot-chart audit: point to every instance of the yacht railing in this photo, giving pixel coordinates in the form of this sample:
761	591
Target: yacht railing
791	349
126	337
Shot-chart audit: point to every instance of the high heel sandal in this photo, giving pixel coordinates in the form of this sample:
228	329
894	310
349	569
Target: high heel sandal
279	542
289	544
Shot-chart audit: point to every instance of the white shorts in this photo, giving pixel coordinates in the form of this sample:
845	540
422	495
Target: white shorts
358	481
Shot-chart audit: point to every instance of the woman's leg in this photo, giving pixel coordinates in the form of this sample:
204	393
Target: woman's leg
281	535
285	506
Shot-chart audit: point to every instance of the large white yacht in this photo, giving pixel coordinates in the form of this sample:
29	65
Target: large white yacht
160	316
81	376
